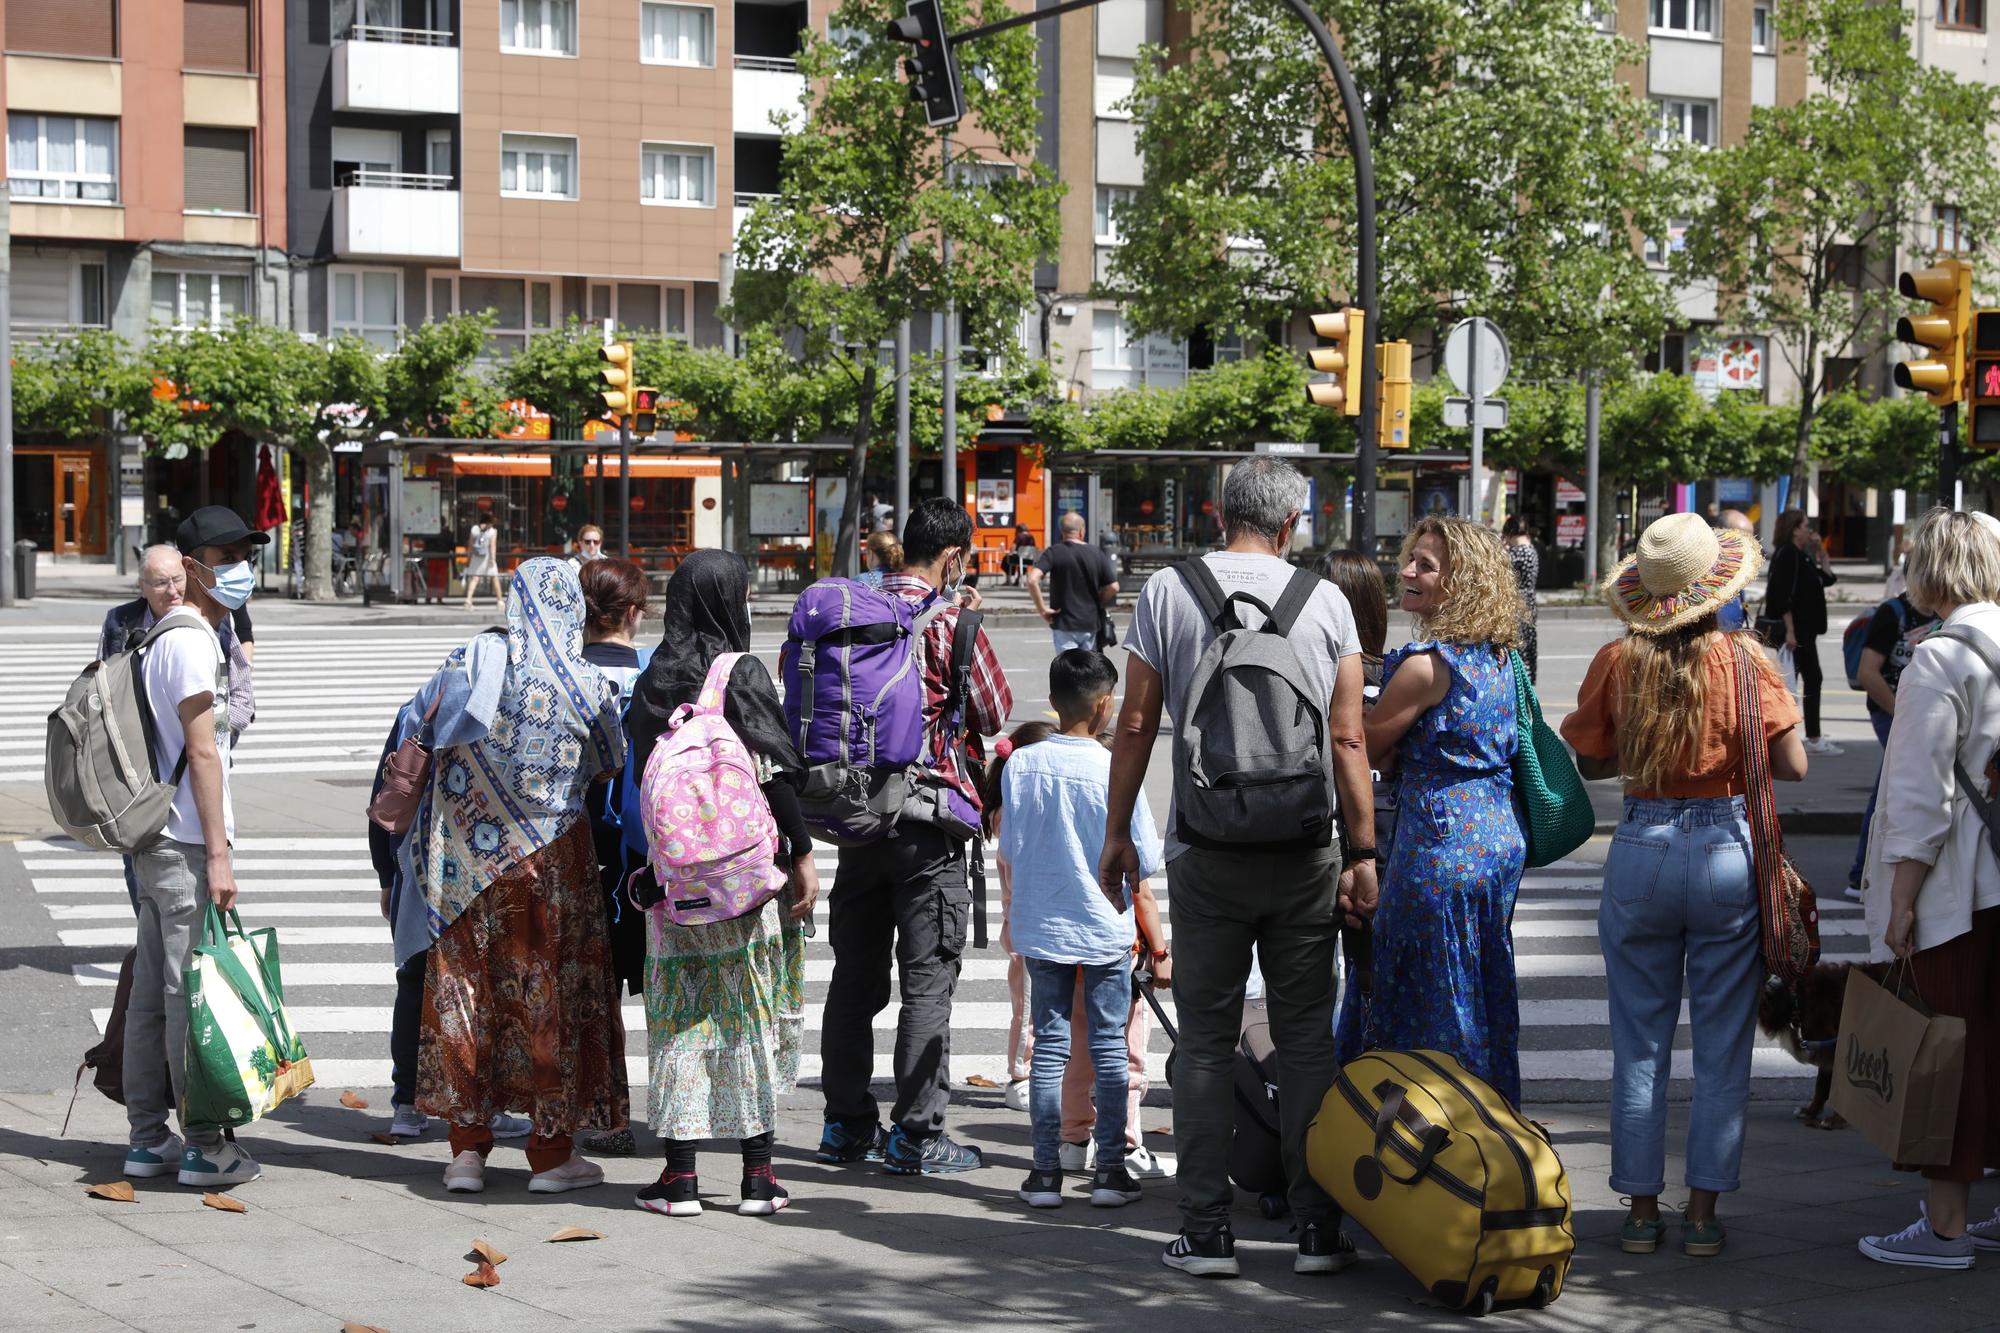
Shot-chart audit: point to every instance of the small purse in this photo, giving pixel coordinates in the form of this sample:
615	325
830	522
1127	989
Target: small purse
1786	904
406	771
1557	817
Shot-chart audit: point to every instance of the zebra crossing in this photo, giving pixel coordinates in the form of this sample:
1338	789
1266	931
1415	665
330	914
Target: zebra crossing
326	694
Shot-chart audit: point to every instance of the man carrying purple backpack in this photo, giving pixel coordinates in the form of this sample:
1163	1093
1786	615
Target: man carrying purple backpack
907	895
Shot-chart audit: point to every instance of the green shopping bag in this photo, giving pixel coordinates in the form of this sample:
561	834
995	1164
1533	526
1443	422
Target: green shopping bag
1556	809
243	1059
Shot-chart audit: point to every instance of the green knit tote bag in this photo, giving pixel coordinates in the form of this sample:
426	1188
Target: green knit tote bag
1557	815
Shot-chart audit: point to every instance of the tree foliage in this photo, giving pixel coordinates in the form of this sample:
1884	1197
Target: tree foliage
75	386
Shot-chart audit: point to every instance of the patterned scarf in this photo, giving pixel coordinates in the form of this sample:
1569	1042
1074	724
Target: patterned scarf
498	801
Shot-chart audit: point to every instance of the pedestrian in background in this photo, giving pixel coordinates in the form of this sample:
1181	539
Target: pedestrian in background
1796	593
1735	613
1893	635
1527	564
1931	888
482	550
589	545
1082	582
725	1002
1360	582
1446	726
162	585
1660	709
883	555
520	1007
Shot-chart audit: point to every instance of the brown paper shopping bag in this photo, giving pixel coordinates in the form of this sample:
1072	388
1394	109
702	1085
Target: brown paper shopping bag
1896	1071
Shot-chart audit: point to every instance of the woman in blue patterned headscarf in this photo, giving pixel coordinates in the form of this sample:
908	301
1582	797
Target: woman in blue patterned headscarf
520	1005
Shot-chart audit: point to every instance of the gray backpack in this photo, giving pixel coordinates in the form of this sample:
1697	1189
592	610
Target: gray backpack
101	774
1252	764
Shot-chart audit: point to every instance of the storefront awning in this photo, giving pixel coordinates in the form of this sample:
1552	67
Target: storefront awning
537	465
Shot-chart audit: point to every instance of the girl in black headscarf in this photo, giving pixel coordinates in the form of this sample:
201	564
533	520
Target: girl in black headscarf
725	1003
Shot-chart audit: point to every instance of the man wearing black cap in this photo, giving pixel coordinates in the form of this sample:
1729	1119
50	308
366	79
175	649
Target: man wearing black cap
187	686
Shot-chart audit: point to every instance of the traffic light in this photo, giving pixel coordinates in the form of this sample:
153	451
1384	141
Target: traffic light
1345	330
931	67
614	380
1392	422
1983	385
1948	287
644	422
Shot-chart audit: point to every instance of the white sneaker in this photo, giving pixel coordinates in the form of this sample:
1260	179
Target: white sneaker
1821	745
1145	1164
1077	1157
510	1126
158	1160
575	1174
1853	892
1017	1095
218	1167
408	1122
467	1173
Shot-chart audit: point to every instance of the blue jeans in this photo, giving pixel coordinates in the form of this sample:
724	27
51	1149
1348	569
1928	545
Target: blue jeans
1107	1001
1680	897
1881	722
1067	639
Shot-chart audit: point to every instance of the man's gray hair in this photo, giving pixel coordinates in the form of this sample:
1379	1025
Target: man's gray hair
159	551
1071	522
1260	494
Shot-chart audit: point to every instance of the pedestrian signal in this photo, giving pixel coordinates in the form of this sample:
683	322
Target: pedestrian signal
1940	376
1984	391
644	420
1344	329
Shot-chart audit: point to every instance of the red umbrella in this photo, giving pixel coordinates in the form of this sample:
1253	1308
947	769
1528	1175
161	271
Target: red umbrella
271	510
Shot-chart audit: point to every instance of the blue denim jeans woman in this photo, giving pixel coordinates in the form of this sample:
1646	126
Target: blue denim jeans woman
1680	898
1107	1001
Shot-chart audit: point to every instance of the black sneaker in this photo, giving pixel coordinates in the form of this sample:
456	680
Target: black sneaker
1204	1254
937	1155
762	1194
1113	1187
841	1143
1043	1189
1323	1250
672	1195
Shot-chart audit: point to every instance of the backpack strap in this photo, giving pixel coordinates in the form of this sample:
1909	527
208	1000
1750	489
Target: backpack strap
165	623
958	683
1208	594
715	683
1988	811
1292	603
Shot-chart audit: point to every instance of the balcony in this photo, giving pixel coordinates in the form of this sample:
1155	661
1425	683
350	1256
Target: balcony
395	215
408	71
766	85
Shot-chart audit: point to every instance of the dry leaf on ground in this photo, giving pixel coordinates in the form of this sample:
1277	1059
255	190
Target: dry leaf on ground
353	1100
484	1250
351	1327
576	1233
118	1191
391	1139
224	1203
482	1276
979	1081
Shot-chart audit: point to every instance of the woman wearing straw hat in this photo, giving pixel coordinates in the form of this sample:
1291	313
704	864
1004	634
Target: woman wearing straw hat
1660	709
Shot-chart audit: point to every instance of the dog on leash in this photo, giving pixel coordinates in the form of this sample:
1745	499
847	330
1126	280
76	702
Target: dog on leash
1805	1021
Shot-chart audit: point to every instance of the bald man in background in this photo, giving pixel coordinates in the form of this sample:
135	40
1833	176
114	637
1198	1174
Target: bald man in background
1082	581
1735	614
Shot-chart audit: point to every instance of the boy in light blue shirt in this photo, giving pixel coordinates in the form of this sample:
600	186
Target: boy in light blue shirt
1054	795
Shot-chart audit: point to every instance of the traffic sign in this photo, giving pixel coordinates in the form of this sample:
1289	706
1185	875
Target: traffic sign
1492	413
1459	346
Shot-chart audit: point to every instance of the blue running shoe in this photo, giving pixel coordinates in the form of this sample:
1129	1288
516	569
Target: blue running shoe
937	1155
842	1144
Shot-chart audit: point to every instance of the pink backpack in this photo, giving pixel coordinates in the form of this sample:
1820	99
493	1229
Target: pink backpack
714	844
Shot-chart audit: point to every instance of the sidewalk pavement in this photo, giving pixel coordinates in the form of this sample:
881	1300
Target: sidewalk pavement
342	1228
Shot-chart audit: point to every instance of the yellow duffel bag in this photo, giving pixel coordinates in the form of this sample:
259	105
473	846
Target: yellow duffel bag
1462	1189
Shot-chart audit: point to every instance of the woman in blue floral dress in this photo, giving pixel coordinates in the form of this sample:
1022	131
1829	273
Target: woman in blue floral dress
1444	953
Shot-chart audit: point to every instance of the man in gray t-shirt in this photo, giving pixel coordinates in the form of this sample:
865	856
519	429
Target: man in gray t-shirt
1284	901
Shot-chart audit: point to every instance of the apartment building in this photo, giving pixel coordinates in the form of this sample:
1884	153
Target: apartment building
145	169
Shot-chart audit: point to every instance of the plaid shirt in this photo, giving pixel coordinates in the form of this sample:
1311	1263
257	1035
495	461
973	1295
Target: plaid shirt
988	699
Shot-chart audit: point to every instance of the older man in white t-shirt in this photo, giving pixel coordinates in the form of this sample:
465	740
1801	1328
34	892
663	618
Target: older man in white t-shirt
188	866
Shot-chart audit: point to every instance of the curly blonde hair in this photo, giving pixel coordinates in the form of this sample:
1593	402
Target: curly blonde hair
1481	601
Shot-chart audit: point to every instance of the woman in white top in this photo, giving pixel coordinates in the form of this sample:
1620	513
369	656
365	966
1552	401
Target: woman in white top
1931	888
481	561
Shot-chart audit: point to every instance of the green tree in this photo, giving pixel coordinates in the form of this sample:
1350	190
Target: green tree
77	386
849	246
1805	219
557	372
430	385
1505	143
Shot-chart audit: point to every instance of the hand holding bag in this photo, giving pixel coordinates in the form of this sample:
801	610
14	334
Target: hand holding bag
405	774
243	1059
1786	905
1557	817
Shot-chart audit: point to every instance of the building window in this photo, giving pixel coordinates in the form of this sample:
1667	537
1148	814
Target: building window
1689	122
1671	356
437	154
1660	250
677	35
538	27
1684	18
1967	14
56	291
216	170
1842	372
680	175
1115	80
1119	359
1763	37
63	28
1111	199
199	300
216	35
1948	230
62	157
520	308
368	303
537	166
93	296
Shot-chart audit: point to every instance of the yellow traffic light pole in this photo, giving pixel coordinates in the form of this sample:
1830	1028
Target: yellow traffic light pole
1940	376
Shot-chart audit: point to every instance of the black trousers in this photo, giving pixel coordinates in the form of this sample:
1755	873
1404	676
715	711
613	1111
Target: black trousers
404	1026
905	897
1810	679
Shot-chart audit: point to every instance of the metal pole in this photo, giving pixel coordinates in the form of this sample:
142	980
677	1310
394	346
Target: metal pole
902	424
1948	456
7	534
1591	519
1473	388
1356	116
624	488
948	475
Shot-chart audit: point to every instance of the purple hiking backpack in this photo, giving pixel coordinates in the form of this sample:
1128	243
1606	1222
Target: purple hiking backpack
854	705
